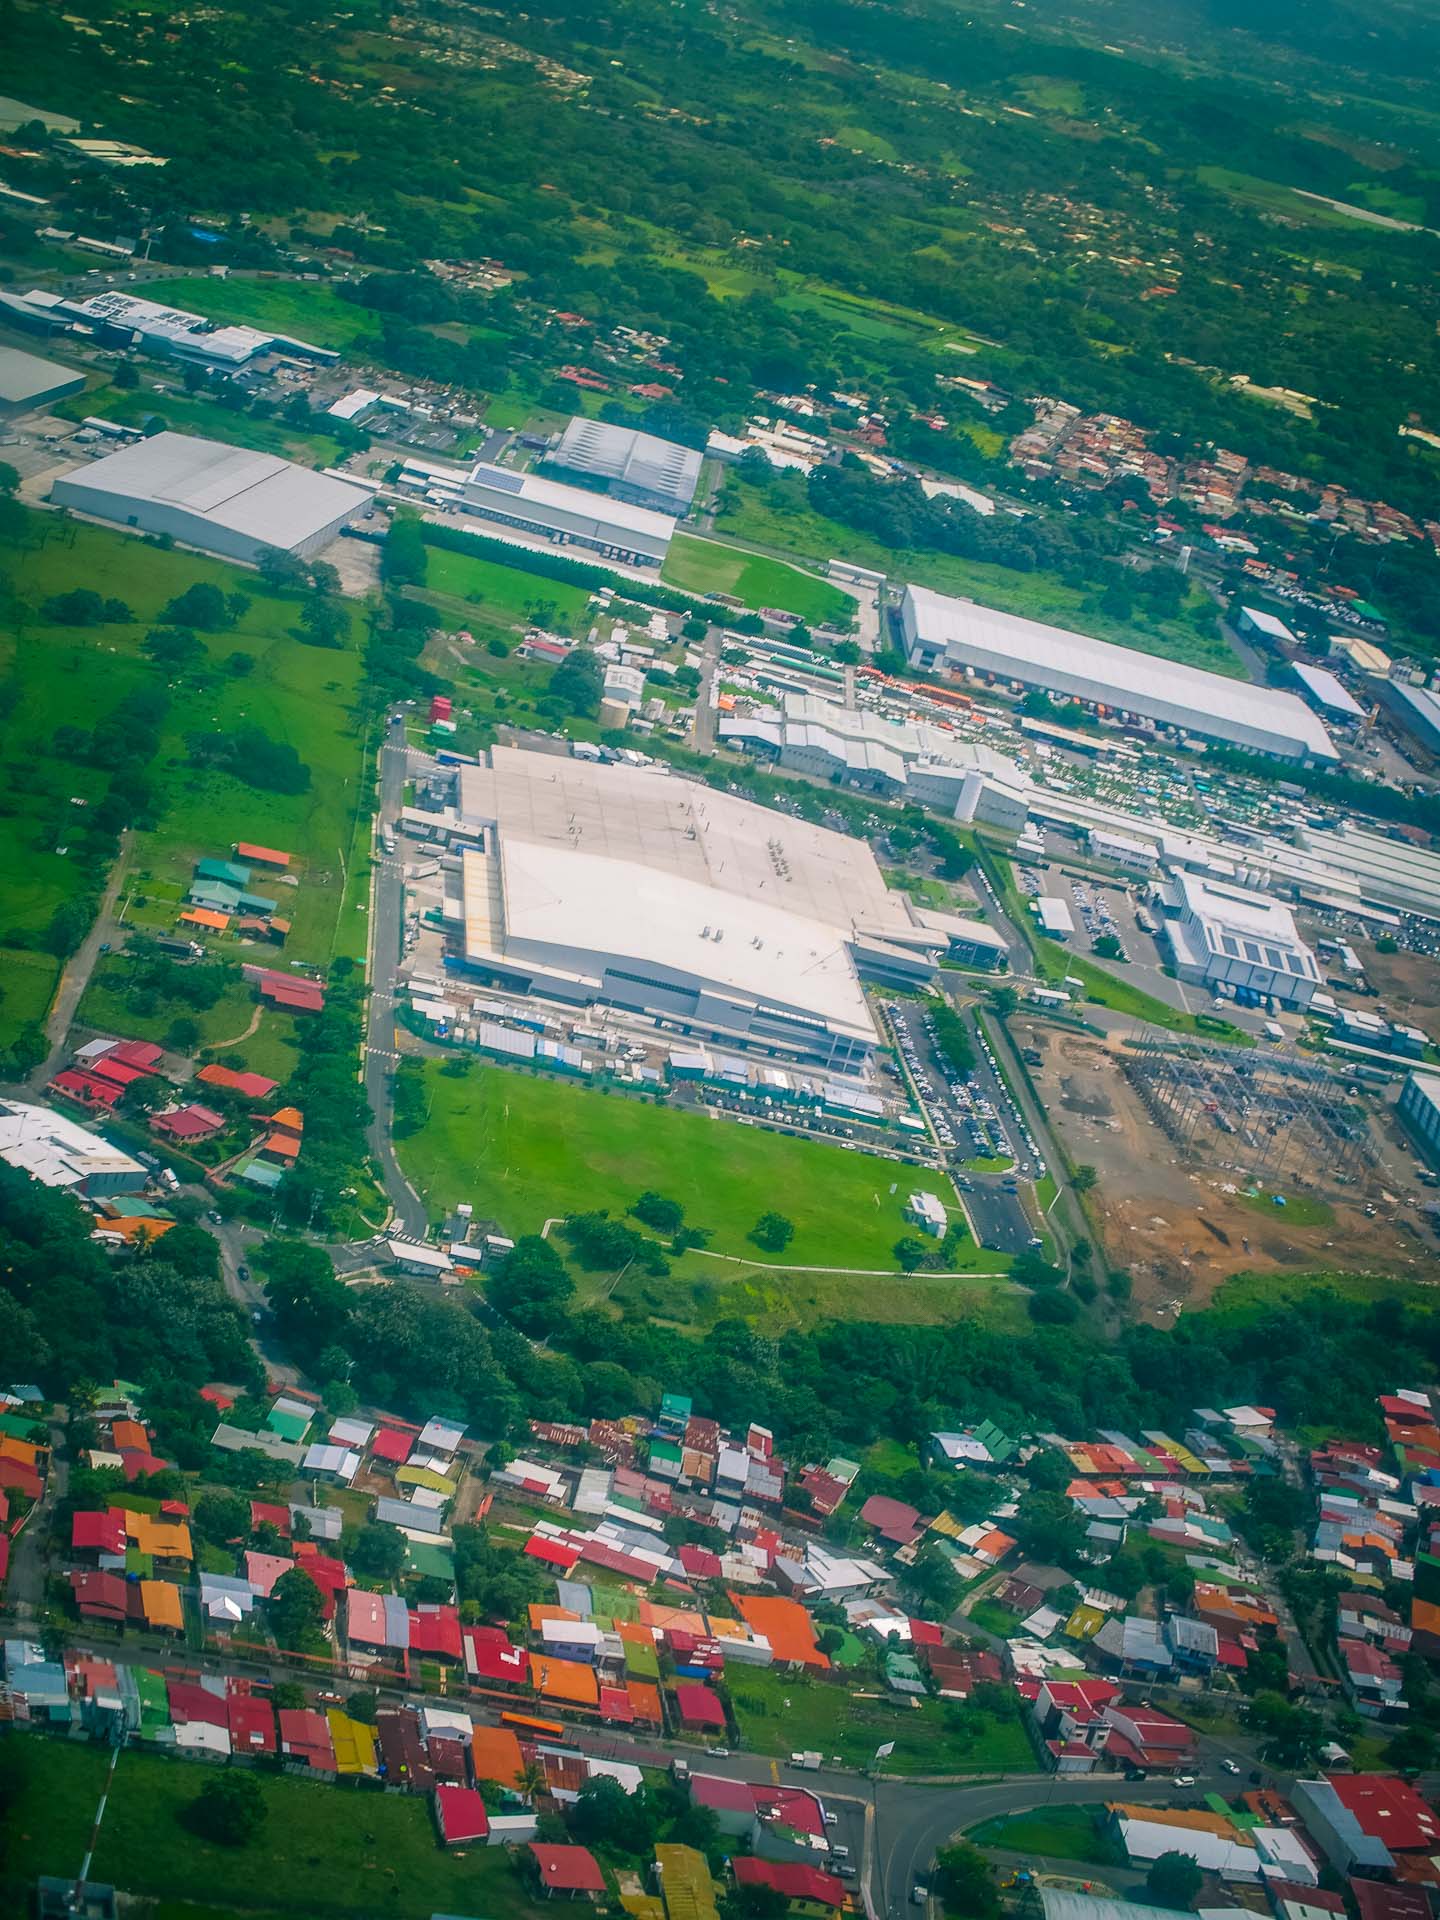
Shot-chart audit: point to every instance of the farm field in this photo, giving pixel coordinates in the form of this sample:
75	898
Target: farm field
323	1850
523	1148
781	518
704	566
293	692
779	1712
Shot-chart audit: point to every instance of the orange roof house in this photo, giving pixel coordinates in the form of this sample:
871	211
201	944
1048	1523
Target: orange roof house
260	856
160	1603
289	1120
786	1625
205	917
130	1433
566	1680
644	1700
164	1539
495	1754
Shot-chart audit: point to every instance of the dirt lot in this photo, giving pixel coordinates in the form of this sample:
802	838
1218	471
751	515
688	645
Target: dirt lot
1408	983
1171	1222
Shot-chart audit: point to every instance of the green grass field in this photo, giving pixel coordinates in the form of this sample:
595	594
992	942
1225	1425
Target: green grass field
296	693
324	1850
524	1149
780	518
704	566
309	311
1058	1833
511	596
27	986
108	1008
779	1712
1299	1210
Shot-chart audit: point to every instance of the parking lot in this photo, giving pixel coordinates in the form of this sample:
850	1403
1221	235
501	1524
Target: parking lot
974	1118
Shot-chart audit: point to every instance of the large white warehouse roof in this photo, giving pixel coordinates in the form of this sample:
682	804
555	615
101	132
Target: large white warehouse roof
629	458
226	499
594	872
552	503
963	634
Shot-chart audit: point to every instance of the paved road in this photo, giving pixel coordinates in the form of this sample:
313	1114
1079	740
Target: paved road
387	925
912	1822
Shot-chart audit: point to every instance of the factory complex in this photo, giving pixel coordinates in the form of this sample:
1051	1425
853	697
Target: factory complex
127	319
703	914
222	499
895	759
939	632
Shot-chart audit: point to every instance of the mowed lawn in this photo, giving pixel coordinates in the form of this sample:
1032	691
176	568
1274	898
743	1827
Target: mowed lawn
523	1149
780	1713
295	693
324	1850
307	310
704	566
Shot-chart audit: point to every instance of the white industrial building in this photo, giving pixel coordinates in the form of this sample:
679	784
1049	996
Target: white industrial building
568	516
1140	856
894	758
27	381
1054	915
128	319
225	500
58	1153
927	1211
1321	690
941	632
638	467
710	916
1225	935
1419	1106
1256	624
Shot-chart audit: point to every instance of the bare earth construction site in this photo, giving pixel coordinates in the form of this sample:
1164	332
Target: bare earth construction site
1184	1213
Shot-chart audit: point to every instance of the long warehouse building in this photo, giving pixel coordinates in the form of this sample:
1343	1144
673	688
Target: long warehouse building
942	632
569	516
225	500
629	887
